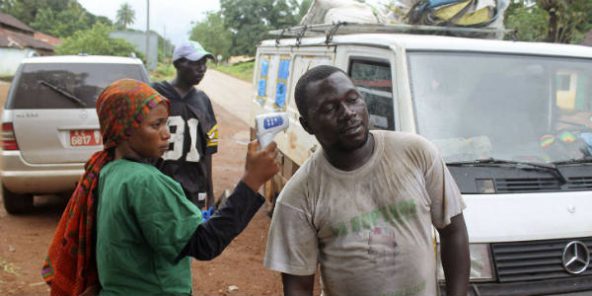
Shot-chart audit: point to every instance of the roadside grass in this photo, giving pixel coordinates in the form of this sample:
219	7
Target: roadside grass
242	71
162	72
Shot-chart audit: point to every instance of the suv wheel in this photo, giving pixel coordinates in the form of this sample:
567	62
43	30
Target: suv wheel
16	203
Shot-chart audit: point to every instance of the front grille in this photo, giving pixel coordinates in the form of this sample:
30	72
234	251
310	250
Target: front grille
533	260
515	185
579	183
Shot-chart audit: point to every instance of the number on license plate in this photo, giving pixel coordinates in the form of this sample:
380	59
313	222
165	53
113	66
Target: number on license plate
85	138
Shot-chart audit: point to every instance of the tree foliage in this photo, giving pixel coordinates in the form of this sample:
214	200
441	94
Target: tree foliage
96	41
529	22
125	16
560	21
60	18
250	20
303	9
567	19
212	35
61	23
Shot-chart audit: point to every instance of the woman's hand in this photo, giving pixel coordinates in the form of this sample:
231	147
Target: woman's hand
260	165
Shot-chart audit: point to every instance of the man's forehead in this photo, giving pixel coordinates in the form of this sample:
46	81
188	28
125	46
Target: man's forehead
331	84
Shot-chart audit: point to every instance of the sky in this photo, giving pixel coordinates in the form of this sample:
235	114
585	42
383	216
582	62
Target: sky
172	19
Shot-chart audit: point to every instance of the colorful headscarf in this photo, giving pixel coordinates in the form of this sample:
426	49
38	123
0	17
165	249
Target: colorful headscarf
70	266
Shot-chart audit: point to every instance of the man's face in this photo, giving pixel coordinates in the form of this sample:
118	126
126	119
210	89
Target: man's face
191	72
337	113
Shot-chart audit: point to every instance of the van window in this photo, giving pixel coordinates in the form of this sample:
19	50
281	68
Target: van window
67	85
373	80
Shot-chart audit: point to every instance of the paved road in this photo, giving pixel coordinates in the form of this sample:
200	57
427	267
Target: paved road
230	93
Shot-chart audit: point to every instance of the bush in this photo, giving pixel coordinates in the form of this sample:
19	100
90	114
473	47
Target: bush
96	41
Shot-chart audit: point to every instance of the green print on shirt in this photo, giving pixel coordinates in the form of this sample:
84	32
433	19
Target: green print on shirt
395	213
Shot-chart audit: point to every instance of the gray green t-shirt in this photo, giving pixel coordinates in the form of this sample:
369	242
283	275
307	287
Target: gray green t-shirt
369	229
144	221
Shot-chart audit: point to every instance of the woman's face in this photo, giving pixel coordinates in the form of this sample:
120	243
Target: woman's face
151	139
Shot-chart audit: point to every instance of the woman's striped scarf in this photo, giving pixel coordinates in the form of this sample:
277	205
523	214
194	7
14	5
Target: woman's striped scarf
70	266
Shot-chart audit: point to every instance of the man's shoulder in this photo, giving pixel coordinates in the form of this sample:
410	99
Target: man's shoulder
300	178
410	148
403	140
160	84
165	89
200	94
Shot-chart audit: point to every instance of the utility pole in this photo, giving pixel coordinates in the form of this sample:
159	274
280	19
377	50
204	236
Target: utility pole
165	45
147	32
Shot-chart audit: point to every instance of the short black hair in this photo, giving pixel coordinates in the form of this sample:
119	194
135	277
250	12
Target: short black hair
315	74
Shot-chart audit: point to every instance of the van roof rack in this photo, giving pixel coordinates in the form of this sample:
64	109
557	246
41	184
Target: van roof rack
342	28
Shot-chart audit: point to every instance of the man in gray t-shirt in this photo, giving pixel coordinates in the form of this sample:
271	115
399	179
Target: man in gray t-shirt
362	208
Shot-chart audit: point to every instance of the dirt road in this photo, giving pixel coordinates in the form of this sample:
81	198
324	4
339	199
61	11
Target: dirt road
24	239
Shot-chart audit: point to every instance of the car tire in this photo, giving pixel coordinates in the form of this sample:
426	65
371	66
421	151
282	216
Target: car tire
16	203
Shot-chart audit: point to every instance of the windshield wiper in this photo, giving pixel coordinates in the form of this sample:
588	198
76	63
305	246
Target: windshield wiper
64	93
551	168
584	160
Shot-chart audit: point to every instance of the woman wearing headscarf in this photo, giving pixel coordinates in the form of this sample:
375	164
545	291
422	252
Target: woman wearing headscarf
146	228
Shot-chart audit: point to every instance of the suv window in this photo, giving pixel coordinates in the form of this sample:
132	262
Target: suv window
373	80
67	85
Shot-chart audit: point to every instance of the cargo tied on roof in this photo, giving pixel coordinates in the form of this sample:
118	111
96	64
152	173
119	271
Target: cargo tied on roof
441	13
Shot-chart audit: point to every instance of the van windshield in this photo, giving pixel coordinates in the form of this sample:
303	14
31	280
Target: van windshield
67	85
476	106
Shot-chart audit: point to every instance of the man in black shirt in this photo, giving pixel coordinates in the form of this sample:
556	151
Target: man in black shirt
192	123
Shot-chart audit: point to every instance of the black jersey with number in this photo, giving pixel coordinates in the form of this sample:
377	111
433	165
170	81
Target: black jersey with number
194	138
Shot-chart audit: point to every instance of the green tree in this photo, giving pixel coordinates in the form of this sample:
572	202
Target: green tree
529	22
125	16
26	10
212	34
560	21
567	19
61	23
96	41
250	20
56	17
304	5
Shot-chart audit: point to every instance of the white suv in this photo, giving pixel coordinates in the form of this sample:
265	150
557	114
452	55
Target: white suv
49	123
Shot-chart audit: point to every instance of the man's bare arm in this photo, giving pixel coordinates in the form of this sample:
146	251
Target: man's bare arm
295	285
456	262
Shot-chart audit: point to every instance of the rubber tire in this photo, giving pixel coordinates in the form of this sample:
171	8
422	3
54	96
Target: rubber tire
16	203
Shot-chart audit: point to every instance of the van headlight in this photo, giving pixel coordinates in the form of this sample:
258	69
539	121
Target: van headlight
481	266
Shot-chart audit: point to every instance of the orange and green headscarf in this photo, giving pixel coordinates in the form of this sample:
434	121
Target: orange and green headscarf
70	266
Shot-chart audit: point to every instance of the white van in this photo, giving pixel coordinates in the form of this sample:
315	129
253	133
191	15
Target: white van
513	121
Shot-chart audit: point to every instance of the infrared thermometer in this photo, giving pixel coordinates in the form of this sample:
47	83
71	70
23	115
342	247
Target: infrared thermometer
268	125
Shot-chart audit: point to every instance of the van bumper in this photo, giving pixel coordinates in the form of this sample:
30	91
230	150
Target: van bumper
575	285
21	177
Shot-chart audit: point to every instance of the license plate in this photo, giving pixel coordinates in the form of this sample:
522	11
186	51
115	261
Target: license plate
85	138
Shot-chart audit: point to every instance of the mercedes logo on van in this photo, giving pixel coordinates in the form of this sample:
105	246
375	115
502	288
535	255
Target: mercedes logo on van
576	257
